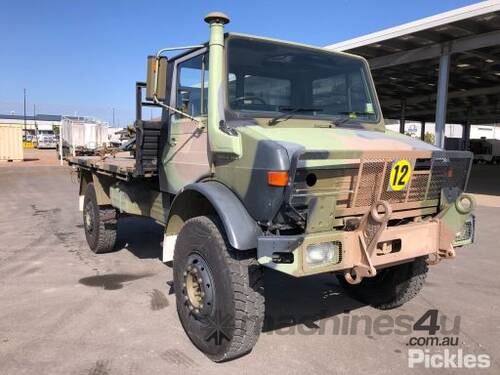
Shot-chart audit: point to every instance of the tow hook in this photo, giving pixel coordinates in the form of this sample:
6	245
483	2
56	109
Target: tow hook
370	228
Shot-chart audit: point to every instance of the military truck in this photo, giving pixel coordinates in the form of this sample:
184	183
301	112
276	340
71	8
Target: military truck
274	155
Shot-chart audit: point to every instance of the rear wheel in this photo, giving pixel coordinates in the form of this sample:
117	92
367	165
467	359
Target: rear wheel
391	287
100	223
219	290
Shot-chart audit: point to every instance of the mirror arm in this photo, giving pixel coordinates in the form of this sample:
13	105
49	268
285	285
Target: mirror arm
168	49
201	125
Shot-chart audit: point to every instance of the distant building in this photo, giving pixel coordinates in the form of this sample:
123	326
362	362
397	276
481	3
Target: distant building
40	122
488	131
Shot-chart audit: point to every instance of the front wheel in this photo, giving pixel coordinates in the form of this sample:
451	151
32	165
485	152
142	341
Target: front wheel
391	287
219	290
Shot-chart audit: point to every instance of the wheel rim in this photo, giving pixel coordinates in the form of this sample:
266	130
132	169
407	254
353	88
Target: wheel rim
88	218
198	286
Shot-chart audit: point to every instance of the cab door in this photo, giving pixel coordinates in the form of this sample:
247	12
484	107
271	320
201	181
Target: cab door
186	152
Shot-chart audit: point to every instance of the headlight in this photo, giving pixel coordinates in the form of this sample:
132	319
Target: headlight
466	235
320	253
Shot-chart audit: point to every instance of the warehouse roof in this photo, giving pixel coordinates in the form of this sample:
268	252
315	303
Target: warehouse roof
39	117
405	60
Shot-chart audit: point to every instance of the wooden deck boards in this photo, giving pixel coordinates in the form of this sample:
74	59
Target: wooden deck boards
122	165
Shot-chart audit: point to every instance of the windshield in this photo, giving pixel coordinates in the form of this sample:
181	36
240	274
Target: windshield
266	79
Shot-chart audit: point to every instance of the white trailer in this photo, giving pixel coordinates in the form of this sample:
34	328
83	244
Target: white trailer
82	135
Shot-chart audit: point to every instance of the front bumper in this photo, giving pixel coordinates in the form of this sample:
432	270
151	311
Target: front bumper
435	238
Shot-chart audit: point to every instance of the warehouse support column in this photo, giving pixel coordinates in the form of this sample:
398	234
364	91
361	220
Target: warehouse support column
466	135
402	119
442	98
422	130
61	158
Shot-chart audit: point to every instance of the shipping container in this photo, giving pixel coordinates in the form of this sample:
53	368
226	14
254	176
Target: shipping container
11	142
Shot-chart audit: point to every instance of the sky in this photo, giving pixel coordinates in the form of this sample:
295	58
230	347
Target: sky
84	56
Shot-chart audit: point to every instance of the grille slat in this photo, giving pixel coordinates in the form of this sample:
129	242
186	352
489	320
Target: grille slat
418	187
370	180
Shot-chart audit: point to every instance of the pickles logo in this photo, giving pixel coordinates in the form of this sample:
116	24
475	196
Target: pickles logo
400	175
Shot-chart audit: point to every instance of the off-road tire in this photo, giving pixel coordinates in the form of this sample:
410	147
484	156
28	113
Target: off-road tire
100	224
391	287
238	295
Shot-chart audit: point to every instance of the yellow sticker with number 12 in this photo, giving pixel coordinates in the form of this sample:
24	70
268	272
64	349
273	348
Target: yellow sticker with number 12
400	175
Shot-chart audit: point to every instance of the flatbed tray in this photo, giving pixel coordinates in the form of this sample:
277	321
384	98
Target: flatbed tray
120	166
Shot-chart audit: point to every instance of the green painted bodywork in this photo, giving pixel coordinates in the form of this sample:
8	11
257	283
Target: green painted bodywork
137	199
450	221
219	140
239	151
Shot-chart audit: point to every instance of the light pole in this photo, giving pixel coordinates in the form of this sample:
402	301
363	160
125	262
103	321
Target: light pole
25	127
34	120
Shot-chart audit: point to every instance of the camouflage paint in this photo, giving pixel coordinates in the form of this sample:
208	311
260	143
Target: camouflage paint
240	160
185	159
430	237
246	176
219	140
139	199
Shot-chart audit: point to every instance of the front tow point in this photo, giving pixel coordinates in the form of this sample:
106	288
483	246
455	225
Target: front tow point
370	228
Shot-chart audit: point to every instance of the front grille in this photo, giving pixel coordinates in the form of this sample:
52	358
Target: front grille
359	186
423	185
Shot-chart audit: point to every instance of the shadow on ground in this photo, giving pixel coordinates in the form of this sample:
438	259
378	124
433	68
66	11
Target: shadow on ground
111	281
290	301
304	301
484	179
141	236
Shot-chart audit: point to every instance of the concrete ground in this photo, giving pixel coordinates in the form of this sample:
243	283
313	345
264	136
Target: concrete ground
64	310
34	157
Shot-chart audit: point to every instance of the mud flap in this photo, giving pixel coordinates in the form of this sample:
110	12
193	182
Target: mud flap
168	247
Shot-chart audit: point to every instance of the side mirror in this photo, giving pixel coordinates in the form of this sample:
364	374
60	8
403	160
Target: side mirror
156	82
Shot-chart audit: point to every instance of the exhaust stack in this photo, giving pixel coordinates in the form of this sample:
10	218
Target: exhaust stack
220	139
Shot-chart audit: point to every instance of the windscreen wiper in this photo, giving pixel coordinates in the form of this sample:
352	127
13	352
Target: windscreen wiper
356	113
340	121
289	113
344	120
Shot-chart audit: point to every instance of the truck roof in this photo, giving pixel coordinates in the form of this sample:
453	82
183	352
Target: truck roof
303	45
266	39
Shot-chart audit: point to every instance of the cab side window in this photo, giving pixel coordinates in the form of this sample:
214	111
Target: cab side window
192	83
